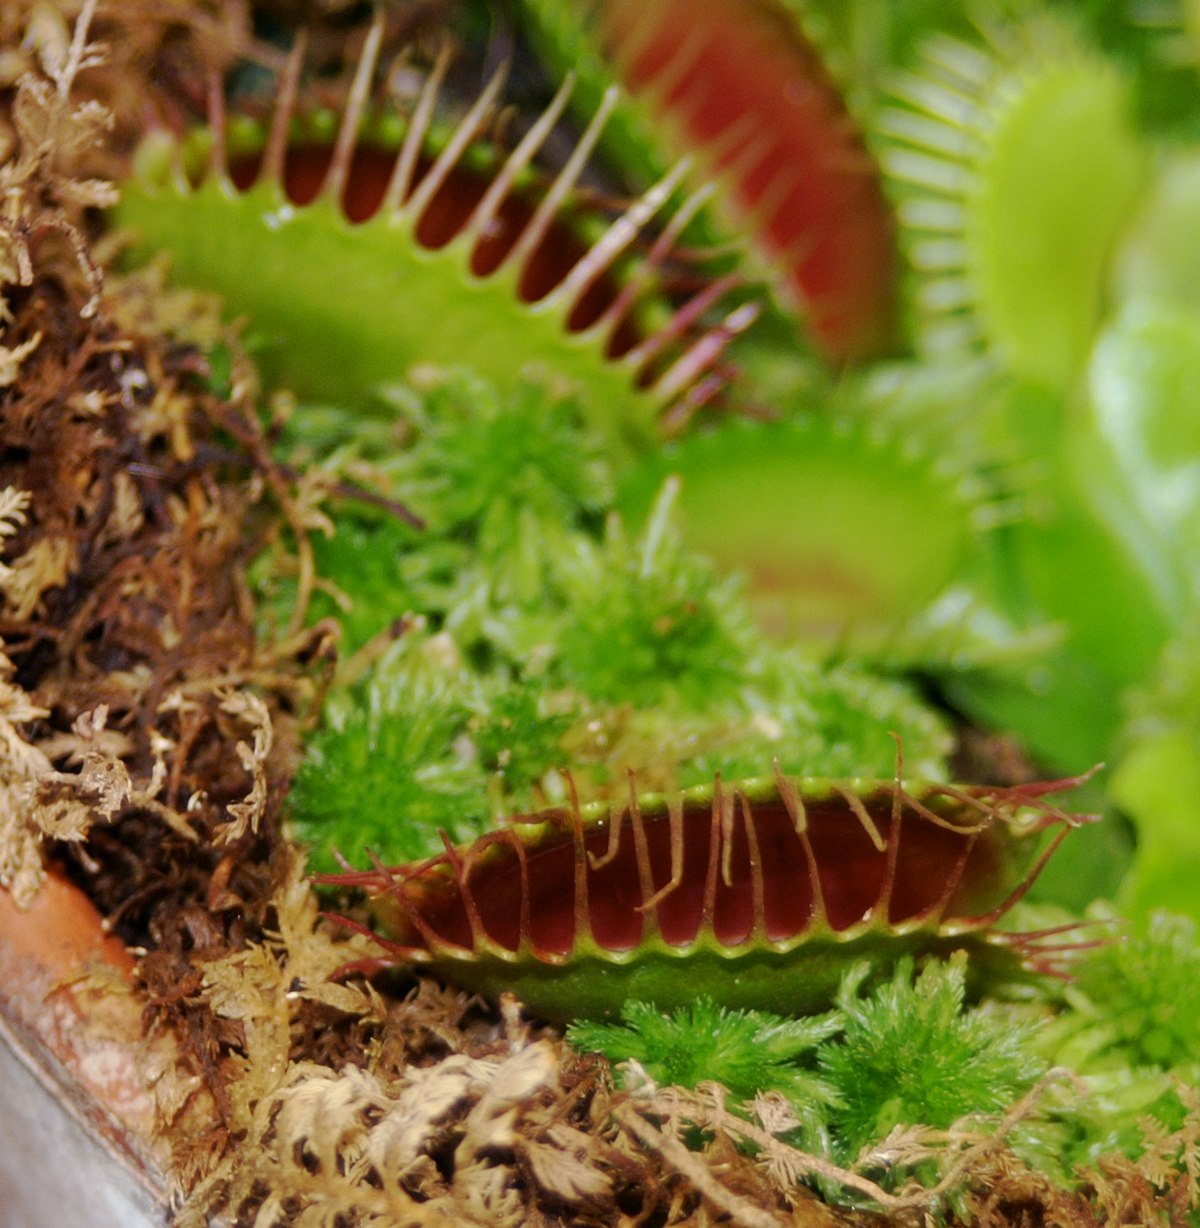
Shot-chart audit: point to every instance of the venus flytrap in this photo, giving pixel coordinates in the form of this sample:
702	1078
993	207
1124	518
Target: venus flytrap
428	224
633	634
995	155
800	506
991	147
791	183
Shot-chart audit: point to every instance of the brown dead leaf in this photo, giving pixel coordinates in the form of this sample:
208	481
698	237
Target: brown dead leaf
250	710
490	1125
562	1164
11	360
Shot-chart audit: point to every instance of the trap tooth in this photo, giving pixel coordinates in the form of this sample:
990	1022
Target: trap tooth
759	893
1015	166
356	261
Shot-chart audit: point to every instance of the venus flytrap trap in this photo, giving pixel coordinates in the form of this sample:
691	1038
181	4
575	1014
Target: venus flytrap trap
792	181
800	506
514	290
762	889
992	145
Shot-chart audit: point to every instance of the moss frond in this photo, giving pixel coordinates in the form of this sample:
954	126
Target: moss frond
485	463
1129	1031
910	1052
1144	990
388	782
672	632
748	1052
518	736
847	715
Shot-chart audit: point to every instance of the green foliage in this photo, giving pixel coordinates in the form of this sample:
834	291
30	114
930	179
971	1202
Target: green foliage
1170	700
387	781
839	720
745	1051
817	720
367	570
909	1053
650	623
569	650
1144	988
514	477
1158	783
1130	1031
421	746
1157	48
518	736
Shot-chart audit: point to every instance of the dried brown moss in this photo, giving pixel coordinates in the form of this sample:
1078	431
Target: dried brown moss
146	734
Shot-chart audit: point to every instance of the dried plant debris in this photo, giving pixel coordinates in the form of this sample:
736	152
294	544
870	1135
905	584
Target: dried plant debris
144	731
509	1127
